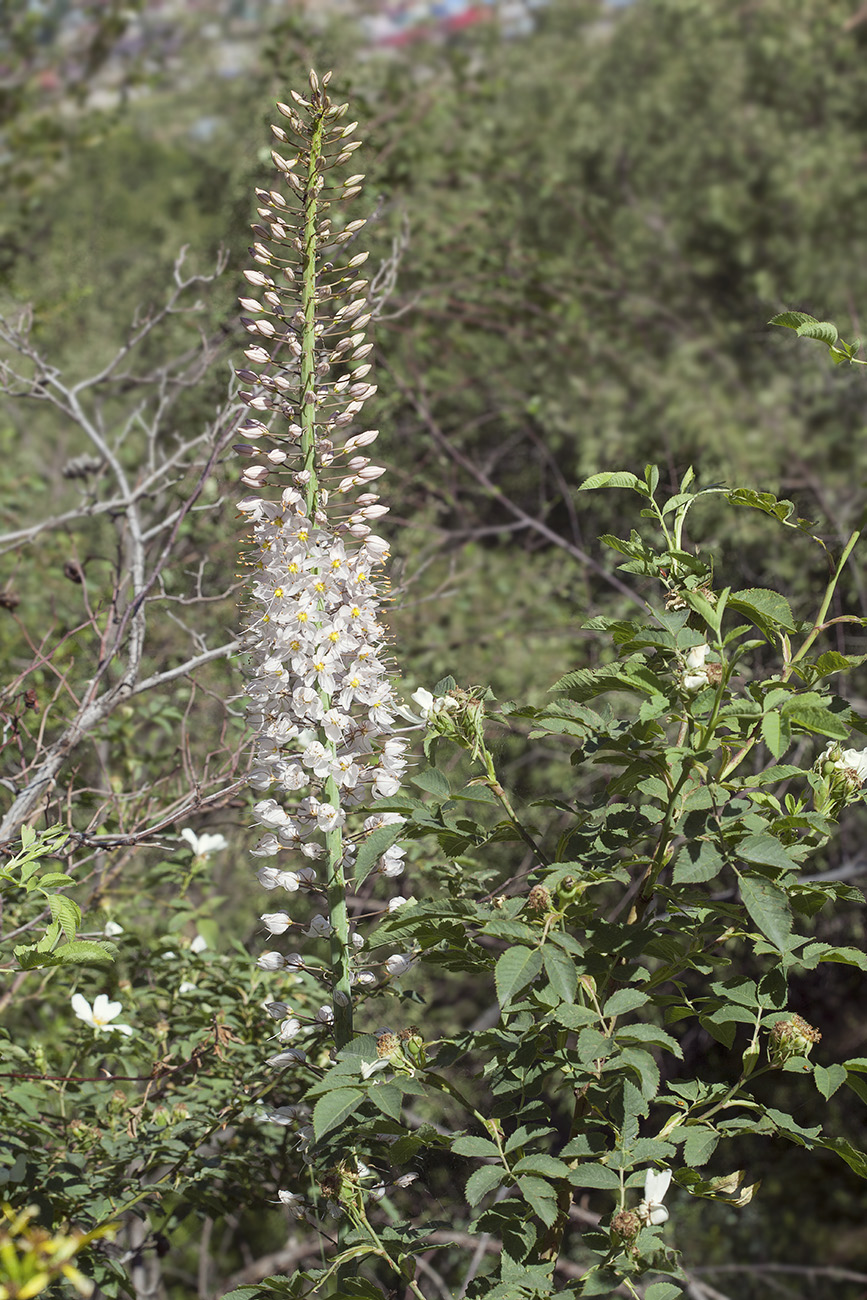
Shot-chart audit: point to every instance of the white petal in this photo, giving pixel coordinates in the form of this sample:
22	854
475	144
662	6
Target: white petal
656	1184
81	1007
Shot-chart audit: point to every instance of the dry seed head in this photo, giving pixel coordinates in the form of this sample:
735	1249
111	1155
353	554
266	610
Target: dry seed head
539	900
387	1045
625	1225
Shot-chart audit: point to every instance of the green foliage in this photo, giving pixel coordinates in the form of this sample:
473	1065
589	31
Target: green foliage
25	872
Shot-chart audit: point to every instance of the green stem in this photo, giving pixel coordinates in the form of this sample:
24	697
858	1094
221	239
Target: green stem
819	623
496	789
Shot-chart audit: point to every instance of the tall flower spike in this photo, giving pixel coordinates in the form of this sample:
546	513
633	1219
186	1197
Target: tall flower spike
320	701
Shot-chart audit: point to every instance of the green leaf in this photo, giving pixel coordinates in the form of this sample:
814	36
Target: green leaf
816	953
334	1107
662	1291
697	861
595	1176
516	968
765	851
542	1165
433	781
387	1098
776	733
561	972
66	913
769	909
475	1146
614	478
84	952
699	1145
828	1079
823	330
767	608
540	1196
792	320
482	1181
813	718
625	1000
854	1158
372	849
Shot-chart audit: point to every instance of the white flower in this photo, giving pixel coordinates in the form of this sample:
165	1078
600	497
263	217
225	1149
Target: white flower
99	1015
271	961
199	944
203	845
111	929
289	1029
851	760
294	1204
696	656
696	675
424	700
369	1068
651	1211
276	922
289	1056
284	1115
186	987
395	903
399	964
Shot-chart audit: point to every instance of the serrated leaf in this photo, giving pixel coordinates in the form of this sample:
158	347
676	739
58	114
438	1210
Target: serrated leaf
66	913
83	952
334	1107
625	1000
699	1145
515	969
599	1176
769	909
662	1291
764	606
387	1098
484	1180
433	781
540	1196
561	972
475	1146
543	1166
765	850
776	733
697	861
814	718
823	330
792	320
828	1079
612	478
372	849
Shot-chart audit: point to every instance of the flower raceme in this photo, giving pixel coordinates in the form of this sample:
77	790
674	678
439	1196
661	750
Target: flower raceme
320	701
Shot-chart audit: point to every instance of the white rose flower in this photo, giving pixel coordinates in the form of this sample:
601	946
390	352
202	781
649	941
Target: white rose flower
99	1015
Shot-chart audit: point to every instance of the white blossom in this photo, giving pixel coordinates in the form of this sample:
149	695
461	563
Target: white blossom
100	1014
399	963
651	1211
204	845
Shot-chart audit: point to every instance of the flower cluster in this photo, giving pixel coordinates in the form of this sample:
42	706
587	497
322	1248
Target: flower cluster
321	705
